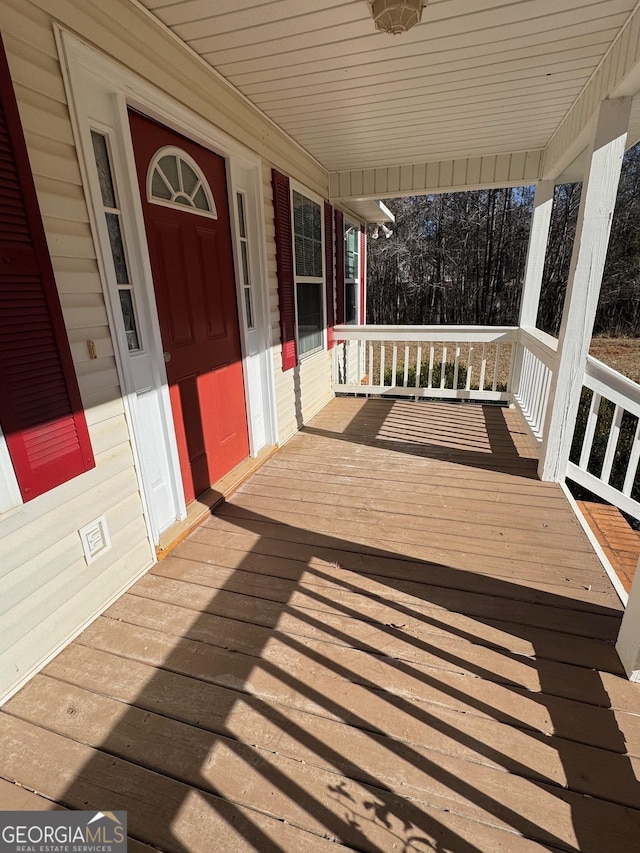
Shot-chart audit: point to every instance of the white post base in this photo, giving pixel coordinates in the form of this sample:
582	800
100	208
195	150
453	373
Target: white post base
628	644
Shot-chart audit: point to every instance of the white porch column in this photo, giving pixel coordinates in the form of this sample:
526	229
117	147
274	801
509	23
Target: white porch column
536	252
598	199
628	643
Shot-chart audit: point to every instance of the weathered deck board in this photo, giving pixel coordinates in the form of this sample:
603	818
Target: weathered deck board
392	637
277	784
446	551
595	771
15	798
455	655
541	643
324	686
278	557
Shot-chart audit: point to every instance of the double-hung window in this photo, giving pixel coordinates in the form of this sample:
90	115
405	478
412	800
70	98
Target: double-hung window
304	239
309	272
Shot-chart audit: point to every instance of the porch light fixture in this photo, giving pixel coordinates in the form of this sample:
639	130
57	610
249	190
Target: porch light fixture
396	16
380	226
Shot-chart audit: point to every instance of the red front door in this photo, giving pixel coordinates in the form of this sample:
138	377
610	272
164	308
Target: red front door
192	266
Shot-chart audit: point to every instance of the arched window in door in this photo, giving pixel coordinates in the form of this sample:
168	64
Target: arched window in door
174	179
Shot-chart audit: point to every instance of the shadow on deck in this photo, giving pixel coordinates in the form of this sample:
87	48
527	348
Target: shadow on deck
392	638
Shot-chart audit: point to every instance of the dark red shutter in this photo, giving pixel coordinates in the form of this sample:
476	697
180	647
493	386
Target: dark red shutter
40	409
339	267
284	258
329	271
363	276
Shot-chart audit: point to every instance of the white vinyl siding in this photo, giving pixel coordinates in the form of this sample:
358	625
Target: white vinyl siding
48	592
53	593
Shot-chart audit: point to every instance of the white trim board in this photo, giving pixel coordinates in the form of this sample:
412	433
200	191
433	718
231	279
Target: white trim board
623	595
100	92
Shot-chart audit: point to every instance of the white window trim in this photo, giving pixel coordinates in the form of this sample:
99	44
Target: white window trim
294	186
174	151
247	301
99	91
10	496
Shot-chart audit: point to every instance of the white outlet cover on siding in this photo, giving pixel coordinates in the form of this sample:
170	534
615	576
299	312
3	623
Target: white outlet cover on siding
95	539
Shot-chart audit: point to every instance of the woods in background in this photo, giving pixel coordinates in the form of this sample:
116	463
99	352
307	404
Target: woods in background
459	258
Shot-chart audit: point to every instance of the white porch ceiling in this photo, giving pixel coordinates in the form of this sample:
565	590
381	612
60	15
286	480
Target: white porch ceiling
476	78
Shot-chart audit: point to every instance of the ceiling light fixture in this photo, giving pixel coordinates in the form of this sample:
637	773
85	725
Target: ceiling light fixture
396	16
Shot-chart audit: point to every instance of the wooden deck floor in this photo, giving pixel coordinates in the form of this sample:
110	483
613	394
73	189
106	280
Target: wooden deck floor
392	638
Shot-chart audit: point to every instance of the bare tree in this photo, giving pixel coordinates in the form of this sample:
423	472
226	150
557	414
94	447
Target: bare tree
460	258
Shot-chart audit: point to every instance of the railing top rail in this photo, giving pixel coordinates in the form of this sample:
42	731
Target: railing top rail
612	385
540	337
542	345
461	334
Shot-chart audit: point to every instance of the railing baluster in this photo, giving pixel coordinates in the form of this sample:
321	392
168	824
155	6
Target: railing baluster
381	383
394	365
469	368
534	391
612	443
590	431
537	398
483	368
431	357
371	364
418	366
443	366
545	400
634	460
495	368
456	367
406	366
525	381
512	361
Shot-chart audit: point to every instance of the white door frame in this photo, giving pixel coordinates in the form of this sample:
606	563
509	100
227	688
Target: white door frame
100	91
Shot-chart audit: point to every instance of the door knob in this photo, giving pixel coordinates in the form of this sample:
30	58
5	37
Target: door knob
166	356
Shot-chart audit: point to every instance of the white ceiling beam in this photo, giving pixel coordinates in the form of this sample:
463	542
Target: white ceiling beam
470	173
617	75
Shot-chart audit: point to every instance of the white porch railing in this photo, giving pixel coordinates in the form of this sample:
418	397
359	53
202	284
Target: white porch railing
443	362
535	362
606	445
507	364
